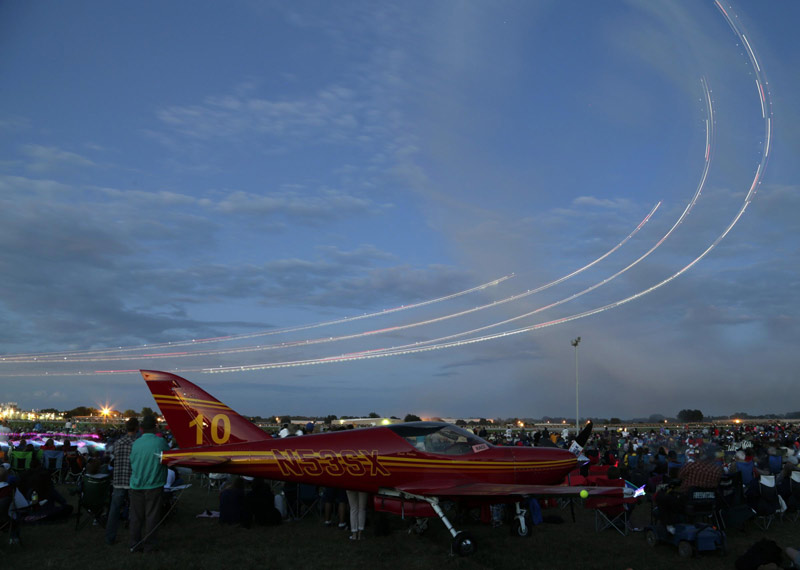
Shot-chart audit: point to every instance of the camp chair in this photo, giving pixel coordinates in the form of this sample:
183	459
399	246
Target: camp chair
674	468
169	498
72	464
6	521
794	497
730	490
53	460
775	464
702	504
13	510
610	511
301	499
216	481
94	497
746	469
768	505
20	461
732	510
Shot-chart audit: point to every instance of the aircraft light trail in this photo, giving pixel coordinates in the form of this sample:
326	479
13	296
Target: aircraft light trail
461	337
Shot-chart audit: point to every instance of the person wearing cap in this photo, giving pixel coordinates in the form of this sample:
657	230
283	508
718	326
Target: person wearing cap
148	477
121	477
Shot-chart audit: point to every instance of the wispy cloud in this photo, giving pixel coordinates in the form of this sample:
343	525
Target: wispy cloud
44	158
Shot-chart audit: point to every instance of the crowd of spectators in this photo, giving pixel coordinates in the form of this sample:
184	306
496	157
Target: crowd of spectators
649	456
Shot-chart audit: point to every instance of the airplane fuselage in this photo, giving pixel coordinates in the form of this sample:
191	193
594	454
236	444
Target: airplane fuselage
374	458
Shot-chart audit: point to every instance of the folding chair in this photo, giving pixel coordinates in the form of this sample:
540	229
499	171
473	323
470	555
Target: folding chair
169	498
794	497
53	460
702	504
301	499
768	502
13	509
746	469
609	516
20	461
72	465
5	514
610	511
775	464
730	490
94	498
216	481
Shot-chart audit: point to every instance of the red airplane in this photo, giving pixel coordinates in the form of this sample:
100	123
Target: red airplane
409	467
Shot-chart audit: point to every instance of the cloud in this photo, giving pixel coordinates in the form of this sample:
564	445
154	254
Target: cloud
77	274
333	113
609	203
44	158
303	207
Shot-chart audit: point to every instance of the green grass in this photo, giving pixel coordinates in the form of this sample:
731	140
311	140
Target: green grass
187	542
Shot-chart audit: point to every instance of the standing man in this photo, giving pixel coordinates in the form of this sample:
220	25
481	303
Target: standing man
148	478
121	477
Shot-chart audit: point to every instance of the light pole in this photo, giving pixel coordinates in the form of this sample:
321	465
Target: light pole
575	343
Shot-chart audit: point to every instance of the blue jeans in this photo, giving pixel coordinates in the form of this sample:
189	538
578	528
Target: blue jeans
118	497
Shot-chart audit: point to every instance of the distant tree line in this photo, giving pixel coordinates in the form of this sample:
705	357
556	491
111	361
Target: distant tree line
686	415
690	416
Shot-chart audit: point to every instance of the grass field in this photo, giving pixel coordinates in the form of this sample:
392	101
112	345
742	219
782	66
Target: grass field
191	543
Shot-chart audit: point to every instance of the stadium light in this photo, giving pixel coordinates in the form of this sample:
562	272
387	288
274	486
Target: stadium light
575	343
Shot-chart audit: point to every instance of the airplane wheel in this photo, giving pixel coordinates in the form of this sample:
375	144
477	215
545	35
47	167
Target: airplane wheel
517	529
684	549
464	544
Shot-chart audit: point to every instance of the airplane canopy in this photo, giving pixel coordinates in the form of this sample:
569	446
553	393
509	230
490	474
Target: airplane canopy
440	437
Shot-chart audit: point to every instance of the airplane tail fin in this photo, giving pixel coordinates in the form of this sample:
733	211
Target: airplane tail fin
585	434
195	417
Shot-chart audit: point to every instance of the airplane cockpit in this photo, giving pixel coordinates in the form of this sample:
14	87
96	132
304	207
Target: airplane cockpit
441	438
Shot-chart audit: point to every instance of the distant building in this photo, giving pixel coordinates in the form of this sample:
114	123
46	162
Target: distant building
366	422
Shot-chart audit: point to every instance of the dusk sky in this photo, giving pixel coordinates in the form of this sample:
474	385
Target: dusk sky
455	190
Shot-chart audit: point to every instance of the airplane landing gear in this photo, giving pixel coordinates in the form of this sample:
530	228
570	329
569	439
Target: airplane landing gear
521	529
519	525
463	544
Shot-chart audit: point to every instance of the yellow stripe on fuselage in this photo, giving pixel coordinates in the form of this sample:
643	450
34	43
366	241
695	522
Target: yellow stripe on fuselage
162	399
404	463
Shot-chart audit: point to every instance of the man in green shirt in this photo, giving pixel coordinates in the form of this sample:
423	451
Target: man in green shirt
148	477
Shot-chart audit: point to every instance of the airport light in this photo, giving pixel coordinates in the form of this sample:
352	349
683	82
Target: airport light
575	343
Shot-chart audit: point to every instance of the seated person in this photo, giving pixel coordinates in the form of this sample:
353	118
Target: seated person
704	473
50	505
232	505
174	478
261	504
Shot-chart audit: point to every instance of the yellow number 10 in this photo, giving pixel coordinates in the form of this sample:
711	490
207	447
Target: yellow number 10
215	421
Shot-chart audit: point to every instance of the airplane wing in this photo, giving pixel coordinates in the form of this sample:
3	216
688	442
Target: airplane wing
506	489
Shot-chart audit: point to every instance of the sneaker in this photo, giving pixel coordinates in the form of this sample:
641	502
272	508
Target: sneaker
342	525
328	523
